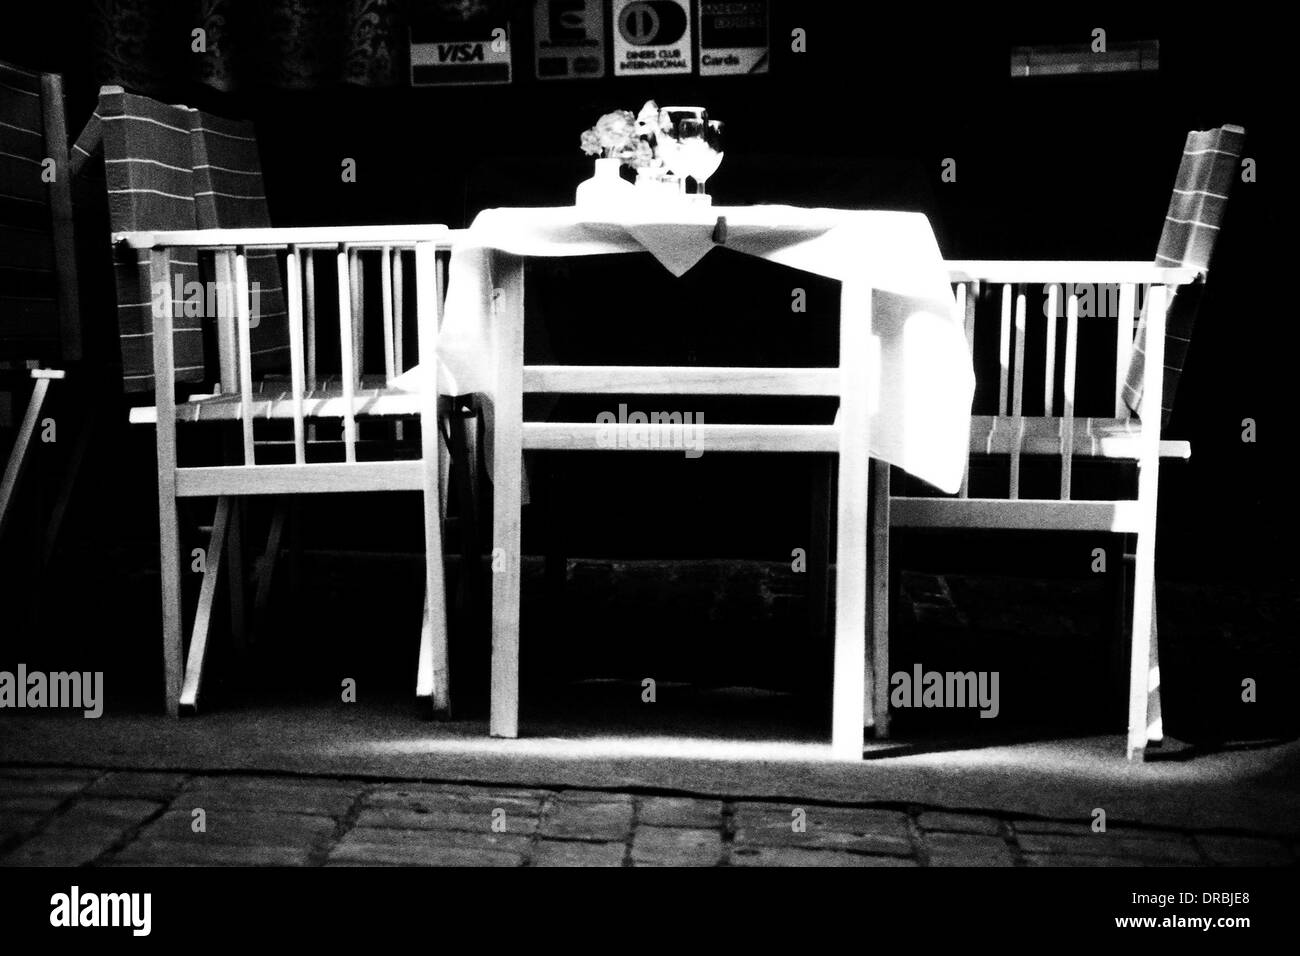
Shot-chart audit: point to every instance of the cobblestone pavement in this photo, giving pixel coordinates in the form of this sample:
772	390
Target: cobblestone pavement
79	817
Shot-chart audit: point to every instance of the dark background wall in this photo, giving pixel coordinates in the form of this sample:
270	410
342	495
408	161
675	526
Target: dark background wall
1073	167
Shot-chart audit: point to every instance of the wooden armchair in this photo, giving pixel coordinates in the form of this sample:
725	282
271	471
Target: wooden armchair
1161	297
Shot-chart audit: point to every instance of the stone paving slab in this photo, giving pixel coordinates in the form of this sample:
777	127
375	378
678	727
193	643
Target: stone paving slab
386	846
679	812
884	832
797	856
675	846
401	818
586	820
76	817
562	853
275	794
89	828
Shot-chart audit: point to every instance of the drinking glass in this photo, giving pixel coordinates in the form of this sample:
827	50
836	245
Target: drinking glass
699	149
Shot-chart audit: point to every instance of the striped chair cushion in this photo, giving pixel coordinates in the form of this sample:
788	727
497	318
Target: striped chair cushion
29	286
1205	177
150	184
228	193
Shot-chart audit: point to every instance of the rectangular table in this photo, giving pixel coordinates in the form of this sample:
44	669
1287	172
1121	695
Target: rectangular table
904	380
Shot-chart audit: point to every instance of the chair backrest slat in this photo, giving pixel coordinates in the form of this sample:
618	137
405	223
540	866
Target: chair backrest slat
309	256
1004	350
1124	343
386	281
293	275
1068	393
245	355
347	324
1049	350
1018	395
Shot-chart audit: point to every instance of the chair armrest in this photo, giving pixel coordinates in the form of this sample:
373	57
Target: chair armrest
1080	270
324	237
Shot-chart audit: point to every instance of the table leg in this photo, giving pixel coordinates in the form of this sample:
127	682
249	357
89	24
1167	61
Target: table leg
849	700
507	475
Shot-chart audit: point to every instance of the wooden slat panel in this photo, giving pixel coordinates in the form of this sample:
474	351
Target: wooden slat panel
280	237
1041	272
1124	343
1067	420
279	405
398	293
386	286
1049	350
1004	350
346	321
299	479
297	372
681	381
1018	394
310	258
584	436
245	355
1024	515
1093	437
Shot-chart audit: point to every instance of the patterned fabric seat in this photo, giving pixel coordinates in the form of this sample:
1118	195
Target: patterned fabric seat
172	167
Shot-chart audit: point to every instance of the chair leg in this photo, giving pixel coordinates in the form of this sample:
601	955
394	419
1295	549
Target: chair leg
850	703
507	497
22	444
189	700
1142	652
878	671
1155	718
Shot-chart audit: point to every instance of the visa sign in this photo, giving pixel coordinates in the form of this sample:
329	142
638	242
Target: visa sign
460	52
456	61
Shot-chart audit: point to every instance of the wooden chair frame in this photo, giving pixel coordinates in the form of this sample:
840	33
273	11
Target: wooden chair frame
302	402
1065	436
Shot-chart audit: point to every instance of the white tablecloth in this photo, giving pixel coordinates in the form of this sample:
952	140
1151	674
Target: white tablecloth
922	398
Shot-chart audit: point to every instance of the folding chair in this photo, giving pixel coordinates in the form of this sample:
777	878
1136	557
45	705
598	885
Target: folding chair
1167	292
39	313
177	180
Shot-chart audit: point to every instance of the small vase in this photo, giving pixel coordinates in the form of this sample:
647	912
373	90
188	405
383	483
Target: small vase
605	187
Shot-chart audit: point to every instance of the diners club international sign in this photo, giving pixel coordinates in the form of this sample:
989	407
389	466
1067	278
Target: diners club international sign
460	43
652	37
